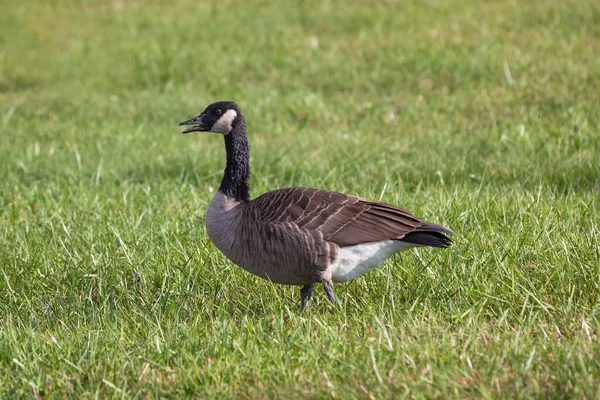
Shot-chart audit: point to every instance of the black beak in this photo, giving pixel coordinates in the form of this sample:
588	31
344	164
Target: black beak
198	125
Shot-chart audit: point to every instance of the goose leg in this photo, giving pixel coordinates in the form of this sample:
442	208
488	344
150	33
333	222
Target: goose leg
305	295
328	285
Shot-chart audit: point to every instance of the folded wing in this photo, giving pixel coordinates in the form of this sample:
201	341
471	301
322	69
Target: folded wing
343	219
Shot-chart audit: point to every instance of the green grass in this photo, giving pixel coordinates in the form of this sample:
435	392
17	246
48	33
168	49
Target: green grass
484	116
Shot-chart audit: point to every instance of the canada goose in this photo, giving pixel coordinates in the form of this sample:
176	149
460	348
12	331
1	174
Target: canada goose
300	236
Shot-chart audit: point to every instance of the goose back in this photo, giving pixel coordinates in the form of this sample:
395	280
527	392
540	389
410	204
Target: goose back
342	219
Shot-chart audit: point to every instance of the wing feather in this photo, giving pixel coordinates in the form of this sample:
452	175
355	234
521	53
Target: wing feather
341	219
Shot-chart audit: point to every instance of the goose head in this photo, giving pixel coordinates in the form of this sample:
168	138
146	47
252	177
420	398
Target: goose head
220	117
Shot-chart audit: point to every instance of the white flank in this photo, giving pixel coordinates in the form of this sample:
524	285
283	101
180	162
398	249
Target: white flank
353	261
223	124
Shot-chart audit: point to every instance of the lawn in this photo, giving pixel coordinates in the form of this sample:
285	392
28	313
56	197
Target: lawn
480	115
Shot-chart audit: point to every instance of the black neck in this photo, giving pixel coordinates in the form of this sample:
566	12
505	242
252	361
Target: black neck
236	180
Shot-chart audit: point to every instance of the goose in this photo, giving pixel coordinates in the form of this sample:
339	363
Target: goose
300	236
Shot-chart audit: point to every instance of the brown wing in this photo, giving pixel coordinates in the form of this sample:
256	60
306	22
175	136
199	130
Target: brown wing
342	219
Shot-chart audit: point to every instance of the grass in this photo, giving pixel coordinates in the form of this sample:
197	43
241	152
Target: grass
484	116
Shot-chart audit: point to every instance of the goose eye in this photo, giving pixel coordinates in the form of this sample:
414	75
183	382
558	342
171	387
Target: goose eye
218	111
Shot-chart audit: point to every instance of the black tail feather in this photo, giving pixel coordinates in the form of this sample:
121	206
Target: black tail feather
433	239
430	235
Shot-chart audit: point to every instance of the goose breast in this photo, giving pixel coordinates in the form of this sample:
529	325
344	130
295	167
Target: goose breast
280	252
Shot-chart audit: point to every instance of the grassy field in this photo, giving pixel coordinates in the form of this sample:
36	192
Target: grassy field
480	115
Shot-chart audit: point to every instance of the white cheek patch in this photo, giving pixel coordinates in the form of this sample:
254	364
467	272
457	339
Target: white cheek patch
223	124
